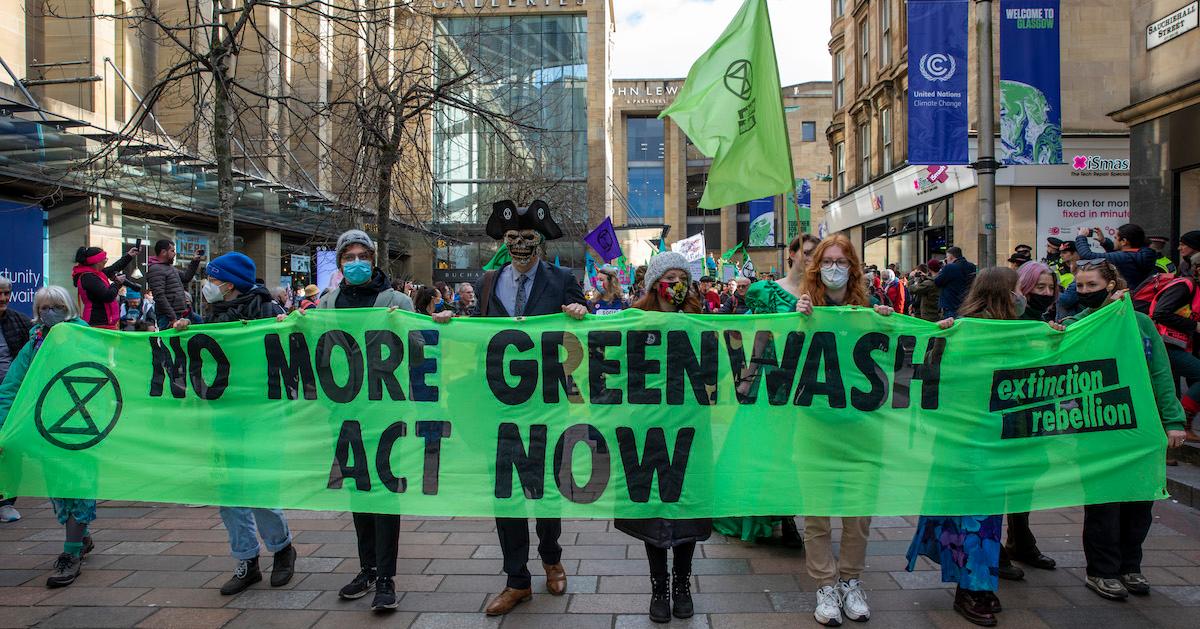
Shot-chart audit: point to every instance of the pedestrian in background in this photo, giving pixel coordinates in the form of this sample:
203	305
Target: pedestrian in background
98	286
171	299
14	334
52	306
954	280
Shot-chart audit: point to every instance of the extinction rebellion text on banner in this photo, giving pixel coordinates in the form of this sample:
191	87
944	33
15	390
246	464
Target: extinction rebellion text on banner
630	415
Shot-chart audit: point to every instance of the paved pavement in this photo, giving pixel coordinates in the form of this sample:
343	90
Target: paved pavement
160	566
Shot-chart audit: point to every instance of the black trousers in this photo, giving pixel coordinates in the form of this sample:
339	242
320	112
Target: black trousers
1112	537
514	543
1020	537
682	563
378	542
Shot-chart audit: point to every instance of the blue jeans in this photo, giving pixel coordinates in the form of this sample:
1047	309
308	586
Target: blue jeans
241	523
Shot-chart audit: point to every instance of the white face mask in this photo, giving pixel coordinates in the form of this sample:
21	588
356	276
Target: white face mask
212	293
835	278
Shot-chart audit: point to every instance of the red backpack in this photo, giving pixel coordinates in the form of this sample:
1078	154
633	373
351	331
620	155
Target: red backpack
1190	310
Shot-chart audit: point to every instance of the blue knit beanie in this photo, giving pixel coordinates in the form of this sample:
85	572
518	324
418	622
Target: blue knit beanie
236	268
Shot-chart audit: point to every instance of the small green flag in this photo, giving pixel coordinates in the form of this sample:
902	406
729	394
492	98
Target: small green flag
498	261
731	107
728	255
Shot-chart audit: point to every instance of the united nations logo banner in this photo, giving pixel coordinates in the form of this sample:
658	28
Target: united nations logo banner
844	412
937	82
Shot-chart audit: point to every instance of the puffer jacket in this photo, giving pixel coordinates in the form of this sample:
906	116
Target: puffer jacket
169	286
255	304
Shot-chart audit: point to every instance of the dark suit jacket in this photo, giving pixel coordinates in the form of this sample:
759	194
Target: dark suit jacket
553	288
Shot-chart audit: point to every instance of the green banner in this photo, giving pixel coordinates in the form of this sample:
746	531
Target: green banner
637	414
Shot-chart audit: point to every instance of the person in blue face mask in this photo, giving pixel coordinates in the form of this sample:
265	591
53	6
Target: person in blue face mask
365	286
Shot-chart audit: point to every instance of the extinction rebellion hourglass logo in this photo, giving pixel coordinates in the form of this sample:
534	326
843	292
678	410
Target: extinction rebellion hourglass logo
79	406
739	80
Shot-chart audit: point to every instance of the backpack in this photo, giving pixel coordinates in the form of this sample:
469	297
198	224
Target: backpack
1191	310
1149	289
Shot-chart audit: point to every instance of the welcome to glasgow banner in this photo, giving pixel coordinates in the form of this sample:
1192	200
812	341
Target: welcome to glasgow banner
1030	92
937	82
636	414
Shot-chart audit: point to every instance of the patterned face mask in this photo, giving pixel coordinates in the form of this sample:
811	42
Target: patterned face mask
674	292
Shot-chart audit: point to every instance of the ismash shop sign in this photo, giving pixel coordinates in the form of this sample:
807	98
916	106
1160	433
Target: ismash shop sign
1172	26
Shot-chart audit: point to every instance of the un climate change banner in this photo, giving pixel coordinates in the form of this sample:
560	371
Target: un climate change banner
1030	94
937	82
635	414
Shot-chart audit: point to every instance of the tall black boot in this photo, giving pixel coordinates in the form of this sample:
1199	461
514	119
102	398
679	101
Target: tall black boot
791	534
681	593
660	598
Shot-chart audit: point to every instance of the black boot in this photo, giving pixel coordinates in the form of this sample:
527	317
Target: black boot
974	607
681	594
791	534
246	574
283	567
660	598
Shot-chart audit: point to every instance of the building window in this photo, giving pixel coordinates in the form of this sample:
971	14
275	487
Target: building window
646	150
885	33
885	130
910	238
864	148
839	158
808	131
864	54
839	79
839	8
540	82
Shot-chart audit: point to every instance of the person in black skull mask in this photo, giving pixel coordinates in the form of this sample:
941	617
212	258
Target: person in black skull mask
527	286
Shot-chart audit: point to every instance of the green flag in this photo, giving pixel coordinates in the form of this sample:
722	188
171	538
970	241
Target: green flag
498	261
731	108
728	255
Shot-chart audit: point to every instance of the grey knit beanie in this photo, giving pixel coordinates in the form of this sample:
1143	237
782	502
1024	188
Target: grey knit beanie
664	262
354	237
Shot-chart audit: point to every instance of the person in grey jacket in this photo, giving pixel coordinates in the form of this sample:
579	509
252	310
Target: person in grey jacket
365	285
169	285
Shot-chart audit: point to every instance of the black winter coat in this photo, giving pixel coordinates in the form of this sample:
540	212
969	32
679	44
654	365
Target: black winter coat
256	304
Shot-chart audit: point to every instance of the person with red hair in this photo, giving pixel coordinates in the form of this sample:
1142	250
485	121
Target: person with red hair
835	278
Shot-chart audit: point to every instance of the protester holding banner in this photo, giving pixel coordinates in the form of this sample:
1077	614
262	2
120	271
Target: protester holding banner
97	286
233	295
835	278
1039	289
52	305
1113	533
365	285
526	286
670	594
968	546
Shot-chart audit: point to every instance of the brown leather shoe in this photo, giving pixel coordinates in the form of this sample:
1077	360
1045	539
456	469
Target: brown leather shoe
507	600
556	578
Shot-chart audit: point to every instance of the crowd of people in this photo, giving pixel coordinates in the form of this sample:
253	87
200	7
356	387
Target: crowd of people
1070	282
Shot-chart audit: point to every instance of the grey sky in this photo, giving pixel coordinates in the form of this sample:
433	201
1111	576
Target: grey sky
661	38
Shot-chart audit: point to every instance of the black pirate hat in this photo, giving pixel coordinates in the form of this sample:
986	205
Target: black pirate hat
506	215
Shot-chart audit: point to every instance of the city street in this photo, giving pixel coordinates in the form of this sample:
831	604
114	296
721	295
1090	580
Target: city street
161	565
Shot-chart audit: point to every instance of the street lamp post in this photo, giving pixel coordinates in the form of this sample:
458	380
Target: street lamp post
985	164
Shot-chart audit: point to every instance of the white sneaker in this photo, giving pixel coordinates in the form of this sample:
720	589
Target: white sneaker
829	607
9	513
854	600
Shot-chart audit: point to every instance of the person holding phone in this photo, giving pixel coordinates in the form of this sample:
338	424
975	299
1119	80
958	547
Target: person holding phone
169	285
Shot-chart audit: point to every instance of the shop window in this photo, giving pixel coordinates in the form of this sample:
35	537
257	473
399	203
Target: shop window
910	238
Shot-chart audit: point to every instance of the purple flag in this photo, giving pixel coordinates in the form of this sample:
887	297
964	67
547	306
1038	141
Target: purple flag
604	240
